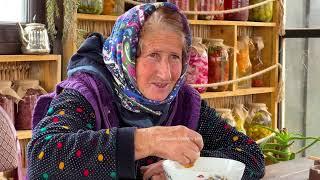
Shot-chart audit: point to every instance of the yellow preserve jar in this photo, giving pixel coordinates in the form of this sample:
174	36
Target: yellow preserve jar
258	115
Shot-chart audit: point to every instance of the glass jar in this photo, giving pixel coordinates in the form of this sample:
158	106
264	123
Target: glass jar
29	91
256	60
262	13
211	5
108	7
258	115
197	72
182	4
90	6
218	63
227	115
240	115
234	4
7	98
244	66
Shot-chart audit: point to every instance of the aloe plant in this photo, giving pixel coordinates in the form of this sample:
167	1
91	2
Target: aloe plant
276	148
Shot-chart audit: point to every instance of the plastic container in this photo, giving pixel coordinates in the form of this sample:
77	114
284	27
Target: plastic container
197	72
256	60
262	13
238	16
182	4
218	62
29	91
227	115
240	115
8	98
258	115
211	5
90	6
244	66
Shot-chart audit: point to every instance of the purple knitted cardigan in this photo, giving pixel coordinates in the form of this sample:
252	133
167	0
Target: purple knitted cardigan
186	107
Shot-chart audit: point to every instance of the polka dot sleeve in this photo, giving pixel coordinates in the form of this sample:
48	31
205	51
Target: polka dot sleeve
65	145
222	140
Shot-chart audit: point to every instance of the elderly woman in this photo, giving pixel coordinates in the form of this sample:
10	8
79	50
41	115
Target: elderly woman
125	107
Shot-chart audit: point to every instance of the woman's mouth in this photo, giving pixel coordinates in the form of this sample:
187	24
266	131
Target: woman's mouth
161	85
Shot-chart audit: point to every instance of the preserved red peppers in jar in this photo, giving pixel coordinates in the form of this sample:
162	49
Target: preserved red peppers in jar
211	5
197	72
7	98
29	91
218	62
234	4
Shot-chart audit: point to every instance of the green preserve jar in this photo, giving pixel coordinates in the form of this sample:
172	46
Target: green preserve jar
262	13
90	6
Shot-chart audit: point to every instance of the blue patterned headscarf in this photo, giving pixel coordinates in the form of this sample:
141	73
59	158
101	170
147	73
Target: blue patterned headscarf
119	55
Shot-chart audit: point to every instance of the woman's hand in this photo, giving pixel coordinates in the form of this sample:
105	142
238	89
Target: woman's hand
154	171
176	143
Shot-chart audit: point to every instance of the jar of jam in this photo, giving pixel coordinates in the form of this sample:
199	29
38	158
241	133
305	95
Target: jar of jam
29	91
8	98
234	4
227	115
211	5
256	60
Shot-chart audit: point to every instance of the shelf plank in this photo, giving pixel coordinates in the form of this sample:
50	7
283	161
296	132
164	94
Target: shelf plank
24	134
92	17
17	58
238	92
231	23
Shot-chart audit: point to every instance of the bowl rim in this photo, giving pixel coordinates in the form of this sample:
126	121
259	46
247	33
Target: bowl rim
242	165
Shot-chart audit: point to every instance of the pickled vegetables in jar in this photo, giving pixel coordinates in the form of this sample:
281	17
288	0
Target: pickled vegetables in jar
258	115
244	66
262	13
256	60
240	114
90	6
218	62
197	72
226	114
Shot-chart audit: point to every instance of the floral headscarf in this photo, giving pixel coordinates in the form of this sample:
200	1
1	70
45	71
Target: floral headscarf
119	55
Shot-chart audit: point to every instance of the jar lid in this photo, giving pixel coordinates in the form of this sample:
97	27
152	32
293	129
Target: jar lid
223	110
256	38
26	82
215	40
5	84
238	105
197	40
258	105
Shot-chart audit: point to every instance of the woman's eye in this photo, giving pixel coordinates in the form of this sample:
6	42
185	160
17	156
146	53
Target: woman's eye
175	57
153	55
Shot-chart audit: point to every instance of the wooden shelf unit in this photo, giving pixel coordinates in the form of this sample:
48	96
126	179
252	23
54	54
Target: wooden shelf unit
45	68
227	30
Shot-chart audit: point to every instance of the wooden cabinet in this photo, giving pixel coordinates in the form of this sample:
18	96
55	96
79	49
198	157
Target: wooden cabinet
227	30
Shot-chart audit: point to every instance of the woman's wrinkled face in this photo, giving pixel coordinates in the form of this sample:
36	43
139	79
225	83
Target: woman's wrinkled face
159	65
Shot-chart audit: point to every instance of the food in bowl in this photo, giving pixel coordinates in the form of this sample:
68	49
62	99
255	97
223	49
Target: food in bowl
205	168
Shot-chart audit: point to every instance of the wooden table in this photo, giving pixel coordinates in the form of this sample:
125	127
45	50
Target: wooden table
297	169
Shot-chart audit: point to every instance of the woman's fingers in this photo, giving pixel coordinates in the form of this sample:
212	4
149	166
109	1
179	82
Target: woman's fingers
196	138
151	170
159	177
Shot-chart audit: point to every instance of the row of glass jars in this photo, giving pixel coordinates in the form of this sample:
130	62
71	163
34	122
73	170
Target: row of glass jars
209	62
246	121
18	99
262	13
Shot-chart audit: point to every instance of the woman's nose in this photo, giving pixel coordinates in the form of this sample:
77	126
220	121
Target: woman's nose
164	71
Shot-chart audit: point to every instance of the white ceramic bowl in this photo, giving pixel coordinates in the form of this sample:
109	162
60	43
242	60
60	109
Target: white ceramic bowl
205	168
